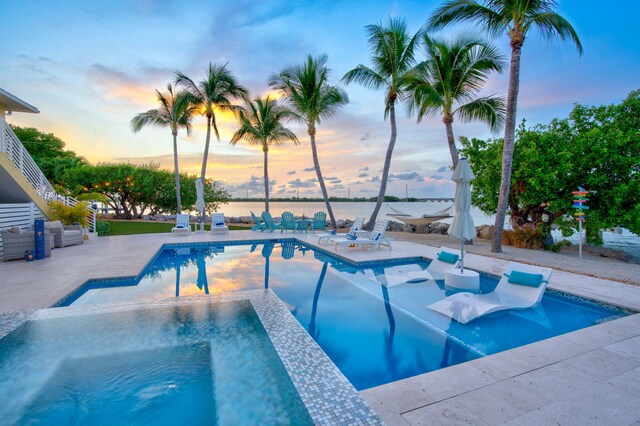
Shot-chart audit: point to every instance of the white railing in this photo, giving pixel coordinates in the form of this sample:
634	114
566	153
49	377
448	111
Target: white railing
20	157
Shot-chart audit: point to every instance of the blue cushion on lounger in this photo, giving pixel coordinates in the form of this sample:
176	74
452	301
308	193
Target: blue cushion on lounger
351	236
447	257
180	226
525	278
375	236
219	223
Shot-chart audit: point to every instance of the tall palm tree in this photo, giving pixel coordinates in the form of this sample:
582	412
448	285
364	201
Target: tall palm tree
261	124
450	80
516	18
215	92
173	113
311	99
393	58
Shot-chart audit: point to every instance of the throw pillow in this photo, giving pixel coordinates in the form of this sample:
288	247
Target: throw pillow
15	230
54	224
525	278
447	257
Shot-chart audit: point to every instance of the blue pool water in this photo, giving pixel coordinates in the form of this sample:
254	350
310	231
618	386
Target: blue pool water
374	334
196	364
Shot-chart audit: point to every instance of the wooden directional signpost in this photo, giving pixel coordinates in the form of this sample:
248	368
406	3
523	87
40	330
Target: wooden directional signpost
579	203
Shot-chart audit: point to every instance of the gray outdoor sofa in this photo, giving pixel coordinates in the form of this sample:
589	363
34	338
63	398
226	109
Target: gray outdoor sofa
64	236
15	245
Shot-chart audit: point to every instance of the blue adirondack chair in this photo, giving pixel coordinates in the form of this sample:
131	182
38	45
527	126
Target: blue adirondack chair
288	222
319	222
259	226
288	249
269	223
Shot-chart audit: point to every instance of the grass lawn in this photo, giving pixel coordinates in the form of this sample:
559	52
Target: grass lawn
123	227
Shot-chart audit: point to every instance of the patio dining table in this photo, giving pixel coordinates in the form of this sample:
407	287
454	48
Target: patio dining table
303	225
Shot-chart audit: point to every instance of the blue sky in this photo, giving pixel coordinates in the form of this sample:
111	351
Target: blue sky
90	66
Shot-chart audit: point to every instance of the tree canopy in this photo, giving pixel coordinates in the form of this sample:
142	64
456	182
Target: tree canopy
596	147
134	190
47	150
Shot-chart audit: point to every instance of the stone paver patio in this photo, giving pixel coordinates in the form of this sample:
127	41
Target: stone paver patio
589	376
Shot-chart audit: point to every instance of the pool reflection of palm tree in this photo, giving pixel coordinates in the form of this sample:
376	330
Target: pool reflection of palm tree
267	249
202	281
316	296
389	336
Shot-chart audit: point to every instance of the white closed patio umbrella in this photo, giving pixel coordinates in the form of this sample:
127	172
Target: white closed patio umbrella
199	195
462	226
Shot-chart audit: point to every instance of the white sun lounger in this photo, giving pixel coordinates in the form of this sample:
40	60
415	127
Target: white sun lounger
465	307
376	238
354	229
437	267
217	223
182	225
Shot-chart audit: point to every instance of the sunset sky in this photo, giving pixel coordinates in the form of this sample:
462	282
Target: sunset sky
90	66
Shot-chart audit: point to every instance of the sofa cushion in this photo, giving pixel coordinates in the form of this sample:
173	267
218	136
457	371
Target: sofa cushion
54	224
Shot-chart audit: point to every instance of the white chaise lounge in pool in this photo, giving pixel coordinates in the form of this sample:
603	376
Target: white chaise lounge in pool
517	289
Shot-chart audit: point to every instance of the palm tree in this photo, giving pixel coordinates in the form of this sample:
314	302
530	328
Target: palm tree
172	113
311	99
215	93
516	18
450	80
393	58
261	124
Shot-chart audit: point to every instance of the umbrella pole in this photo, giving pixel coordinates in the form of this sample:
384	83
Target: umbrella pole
462	256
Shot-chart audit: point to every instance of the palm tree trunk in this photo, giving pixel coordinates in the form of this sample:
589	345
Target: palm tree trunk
316	165
266	182
507	151
387	166
448	124
205	157
177	172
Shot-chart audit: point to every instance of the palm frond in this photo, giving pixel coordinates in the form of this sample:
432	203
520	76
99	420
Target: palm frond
491	110
491	17
550	25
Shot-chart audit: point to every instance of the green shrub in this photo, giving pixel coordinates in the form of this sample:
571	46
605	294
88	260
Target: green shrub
103	227
69	215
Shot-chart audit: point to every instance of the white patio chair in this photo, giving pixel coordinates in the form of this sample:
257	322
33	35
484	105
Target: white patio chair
182	225
217	223
375	238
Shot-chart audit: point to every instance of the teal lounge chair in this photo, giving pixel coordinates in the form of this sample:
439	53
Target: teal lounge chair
319	222
259	226
269	223
288	222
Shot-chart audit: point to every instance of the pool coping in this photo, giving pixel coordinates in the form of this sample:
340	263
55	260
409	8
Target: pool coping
327	394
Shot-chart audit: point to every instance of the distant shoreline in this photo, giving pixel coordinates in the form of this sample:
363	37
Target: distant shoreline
387	199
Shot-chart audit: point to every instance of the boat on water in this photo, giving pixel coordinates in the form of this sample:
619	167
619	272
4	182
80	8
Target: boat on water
425	219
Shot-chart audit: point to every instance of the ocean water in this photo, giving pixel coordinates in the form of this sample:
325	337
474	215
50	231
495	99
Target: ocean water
626	241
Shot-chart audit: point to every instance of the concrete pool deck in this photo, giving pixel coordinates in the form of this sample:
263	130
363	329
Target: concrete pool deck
590	376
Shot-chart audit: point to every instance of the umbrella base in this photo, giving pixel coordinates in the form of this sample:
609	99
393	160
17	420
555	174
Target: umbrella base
468	280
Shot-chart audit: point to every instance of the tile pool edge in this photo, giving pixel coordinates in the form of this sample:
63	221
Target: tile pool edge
326	393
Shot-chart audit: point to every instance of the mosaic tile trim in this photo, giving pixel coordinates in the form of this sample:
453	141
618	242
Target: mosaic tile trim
328	396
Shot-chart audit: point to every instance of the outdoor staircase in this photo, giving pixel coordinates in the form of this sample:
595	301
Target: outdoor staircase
22	181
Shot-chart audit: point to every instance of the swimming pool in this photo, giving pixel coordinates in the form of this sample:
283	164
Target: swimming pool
192	364
374	334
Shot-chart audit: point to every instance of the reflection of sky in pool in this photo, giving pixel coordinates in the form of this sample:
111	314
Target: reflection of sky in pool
374	334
